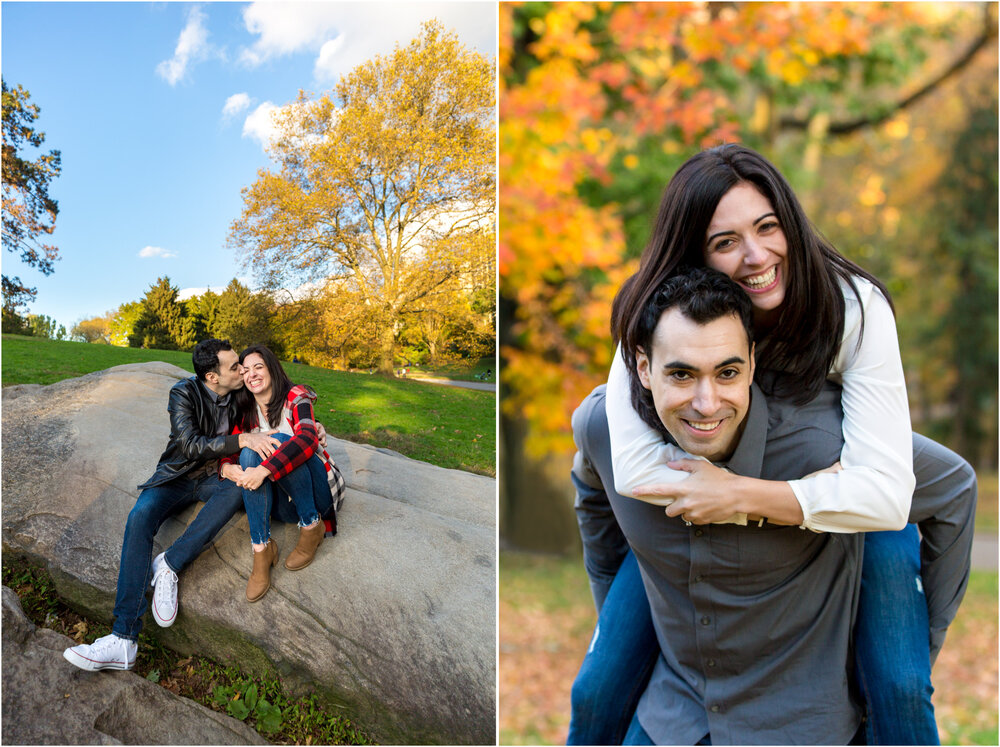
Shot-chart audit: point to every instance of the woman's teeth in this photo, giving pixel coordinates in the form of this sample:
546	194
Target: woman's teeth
761	281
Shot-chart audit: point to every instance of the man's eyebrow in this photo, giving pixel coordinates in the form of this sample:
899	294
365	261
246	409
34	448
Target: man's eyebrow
682	366
731	361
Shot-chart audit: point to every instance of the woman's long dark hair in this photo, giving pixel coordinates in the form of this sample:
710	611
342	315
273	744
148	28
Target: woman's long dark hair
246	405
807	336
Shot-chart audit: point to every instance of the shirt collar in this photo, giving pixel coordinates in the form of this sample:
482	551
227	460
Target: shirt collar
749	455
216	399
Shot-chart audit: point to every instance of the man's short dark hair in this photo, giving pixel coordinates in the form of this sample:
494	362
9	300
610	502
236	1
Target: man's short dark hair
702	295
206	356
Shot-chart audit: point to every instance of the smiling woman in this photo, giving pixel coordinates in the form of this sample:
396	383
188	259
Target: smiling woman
285	470
746	243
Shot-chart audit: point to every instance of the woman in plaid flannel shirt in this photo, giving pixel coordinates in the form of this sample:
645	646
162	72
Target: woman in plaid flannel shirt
298	466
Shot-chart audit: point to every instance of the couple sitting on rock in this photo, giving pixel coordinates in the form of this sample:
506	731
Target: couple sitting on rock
239	429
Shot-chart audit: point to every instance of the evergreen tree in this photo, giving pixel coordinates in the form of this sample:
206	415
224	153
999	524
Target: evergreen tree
160	325
244	317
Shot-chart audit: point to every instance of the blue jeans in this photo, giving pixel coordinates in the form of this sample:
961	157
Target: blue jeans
153	506
892	650
306	486
619	660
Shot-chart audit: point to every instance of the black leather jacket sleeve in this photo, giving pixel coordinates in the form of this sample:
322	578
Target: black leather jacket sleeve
194	419
186	408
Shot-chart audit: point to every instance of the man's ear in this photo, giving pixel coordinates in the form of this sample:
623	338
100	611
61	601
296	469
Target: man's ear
642	367
209	375
753	360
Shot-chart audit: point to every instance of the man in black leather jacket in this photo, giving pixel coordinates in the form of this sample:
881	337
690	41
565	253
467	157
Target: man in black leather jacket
202	412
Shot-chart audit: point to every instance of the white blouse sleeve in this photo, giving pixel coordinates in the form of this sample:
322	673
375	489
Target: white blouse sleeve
874	488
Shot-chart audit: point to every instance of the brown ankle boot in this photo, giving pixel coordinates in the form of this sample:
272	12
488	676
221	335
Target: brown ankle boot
260	576
305	550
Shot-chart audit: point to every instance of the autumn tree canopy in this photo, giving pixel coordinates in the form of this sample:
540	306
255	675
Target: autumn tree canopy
379	183
600	103
29	213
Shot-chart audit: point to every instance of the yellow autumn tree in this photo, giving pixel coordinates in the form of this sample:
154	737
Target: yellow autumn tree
379	181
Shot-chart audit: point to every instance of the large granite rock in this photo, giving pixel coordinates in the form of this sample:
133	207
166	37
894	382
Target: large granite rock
47	703
394	623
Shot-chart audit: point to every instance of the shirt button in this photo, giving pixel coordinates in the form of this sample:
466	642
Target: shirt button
698	578
714	709
698	532
706	620
711	662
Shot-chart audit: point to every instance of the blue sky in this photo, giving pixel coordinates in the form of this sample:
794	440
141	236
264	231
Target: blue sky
160	112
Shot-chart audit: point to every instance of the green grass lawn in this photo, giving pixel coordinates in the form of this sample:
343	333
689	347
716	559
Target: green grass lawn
446	426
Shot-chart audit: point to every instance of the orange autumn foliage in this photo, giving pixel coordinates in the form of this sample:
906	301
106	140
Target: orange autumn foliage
586	88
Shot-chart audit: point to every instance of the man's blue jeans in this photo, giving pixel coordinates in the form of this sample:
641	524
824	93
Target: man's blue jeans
301	496
891	649
154	505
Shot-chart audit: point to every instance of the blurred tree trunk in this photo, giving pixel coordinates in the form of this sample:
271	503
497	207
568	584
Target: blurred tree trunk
536	496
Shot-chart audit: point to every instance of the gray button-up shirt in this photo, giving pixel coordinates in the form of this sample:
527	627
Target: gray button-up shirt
754	623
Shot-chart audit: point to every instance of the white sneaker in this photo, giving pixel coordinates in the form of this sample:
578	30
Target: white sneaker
164	593
109	652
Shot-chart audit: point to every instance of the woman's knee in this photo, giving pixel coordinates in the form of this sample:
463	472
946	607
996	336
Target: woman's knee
250	458
890	557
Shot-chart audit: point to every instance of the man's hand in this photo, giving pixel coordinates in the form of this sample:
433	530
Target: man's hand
232	472
254	477
263	443
707	496
321	432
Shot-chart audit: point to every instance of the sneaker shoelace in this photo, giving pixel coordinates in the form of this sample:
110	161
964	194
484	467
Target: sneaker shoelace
165	590
107	647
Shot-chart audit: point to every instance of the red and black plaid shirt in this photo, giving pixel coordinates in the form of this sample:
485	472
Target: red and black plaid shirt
298	413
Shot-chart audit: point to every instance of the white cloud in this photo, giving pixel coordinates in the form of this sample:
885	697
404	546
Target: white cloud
288	27
235	104
185	293
192	46
344	35
259	125
328	62
156	251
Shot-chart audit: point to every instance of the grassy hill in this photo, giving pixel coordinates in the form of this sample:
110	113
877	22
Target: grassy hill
446	426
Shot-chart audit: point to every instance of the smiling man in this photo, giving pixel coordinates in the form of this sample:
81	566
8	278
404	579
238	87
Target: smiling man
698	375
752	618
202	411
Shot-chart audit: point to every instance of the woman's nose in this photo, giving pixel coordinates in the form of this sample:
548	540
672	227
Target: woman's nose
753	253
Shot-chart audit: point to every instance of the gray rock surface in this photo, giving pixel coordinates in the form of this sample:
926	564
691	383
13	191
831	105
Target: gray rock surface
393	625
46	700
